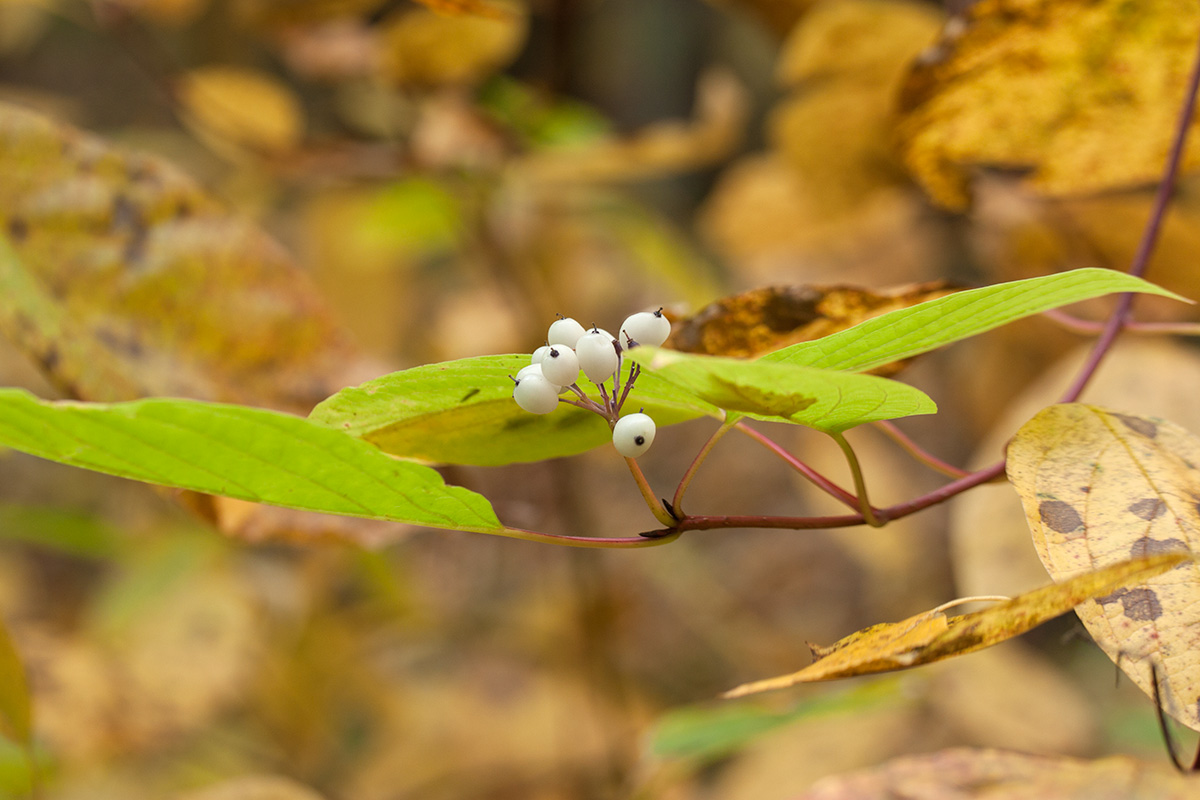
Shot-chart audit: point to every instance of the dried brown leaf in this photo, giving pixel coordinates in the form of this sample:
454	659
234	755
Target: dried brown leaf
761	320
932	636
1099	486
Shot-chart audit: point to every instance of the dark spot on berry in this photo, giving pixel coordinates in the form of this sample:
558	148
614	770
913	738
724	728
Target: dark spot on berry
1148	509
1138	425
639	440
1146	546
1140	605
1059	516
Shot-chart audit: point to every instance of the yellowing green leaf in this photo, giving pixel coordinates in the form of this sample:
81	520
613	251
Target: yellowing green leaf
1099	486
462	412
1085	94
932	636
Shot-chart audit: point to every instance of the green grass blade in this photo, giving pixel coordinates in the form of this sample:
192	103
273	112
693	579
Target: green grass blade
824	399
462	412
248	453
928	326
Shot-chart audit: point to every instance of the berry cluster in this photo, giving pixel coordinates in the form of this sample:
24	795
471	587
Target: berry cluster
571	348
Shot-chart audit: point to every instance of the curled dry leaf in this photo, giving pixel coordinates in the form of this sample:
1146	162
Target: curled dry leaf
1099	486
932	636
964	773
761	320
1085	94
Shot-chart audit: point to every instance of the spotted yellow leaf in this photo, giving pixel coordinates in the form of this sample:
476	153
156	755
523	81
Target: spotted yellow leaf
1100	486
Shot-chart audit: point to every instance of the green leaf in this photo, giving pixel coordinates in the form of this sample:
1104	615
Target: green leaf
69	531
928	326
247	453
16	708
462	412
827	400
707	733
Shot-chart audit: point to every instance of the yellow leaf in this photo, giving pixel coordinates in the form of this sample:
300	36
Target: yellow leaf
1084	93
423	47
122	279
236	111
932	636
1099	486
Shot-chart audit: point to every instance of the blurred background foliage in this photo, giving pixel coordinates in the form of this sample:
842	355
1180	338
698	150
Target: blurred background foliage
451	175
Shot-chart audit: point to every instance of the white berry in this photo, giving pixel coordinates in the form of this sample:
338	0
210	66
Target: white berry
647	327
539	354
565	331
532	369
560	365
597	356
633	434
535	394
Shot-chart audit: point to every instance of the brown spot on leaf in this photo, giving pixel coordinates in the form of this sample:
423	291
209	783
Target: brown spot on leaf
1153	547
1139	425
1059	516
18	229
1148	509
1140	605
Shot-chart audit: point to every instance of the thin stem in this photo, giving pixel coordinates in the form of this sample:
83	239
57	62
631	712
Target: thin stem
634	372
817	479
1141	259
860	485
917	452
652	502
685	481
616	406
1092	327
586	404
588	541
706	522
607	405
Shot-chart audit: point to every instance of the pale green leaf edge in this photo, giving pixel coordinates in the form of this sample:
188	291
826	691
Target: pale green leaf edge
840	400
935	323
241	452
